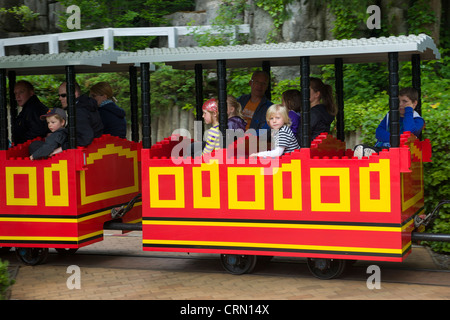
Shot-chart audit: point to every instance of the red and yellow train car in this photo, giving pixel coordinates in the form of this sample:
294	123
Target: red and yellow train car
64	201
318	202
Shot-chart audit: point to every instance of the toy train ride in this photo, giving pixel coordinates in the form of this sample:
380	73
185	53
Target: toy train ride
319	202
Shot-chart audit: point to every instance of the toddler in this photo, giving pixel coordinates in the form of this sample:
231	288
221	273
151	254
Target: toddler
292	99
56	121
235	118
211	116
282	137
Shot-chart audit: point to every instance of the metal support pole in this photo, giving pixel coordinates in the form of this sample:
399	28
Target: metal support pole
416	80
72	125
12	101
145	92
306	108
3	111
266	68
339	76
134	104
222	94
199	91
394	116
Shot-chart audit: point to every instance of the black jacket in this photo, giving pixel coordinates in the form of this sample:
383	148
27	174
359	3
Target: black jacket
88	121
320	121
113	118
28	124
40	149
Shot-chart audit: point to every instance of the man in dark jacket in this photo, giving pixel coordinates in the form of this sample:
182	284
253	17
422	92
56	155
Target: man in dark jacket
88	121
28	124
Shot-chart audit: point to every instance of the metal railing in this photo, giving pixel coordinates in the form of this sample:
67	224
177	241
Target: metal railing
108	35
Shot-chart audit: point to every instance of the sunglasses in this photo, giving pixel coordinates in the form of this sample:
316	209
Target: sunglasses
62	95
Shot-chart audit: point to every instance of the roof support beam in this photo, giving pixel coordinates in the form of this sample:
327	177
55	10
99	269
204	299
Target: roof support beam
146	118
394	115
339	76
3	112
71	111
306	109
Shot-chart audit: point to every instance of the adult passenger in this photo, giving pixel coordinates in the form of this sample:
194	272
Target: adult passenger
88	122
28	124
113	117
323	108
255	104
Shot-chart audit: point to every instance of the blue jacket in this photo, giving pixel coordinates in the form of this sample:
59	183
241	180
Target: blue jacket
411	121
259	117
113	118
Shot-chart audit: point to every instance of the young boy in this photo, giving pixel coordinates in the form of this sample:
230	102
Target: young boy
56	121
410	121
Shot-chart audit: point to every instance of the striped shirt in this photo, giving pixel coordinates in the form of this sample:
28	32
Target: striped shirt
212	140
286	139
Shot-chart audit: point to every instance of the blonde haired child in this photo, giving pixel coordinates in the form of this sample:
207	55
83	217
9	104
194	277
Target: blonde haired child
235	118
283	139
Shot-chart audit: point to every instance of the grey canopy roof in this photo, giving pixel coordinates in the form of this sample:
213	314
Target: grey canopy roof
363	50
55	63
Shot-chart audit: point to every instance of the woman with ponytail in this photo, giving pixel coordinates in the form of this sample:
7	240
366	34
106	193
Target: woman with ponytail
323	107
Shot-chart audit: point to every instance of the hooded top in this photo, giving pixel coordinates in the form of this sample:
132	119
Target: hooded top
113	118
320	121
28	124
88	122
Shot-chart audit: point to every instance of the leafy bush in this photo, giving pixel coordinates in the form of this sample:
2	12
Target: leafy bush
5	279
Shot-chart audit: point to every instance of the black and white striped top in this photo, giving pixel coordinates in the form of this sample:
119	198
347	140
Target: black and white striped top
285	138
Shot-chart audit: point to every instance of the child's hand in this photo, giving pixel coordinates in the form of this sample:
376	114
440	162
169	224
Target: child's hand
31	158
57	150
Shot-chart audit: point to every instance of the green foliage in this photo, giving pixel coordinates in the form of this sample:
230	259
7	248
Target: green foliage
277	9
5	279
22	13
120	14
229	14
420	17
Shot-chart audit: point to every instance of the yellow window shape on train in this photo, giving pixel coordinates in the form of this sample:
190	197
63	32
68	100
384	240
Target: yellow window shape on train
16	186
375	193
246	188
202	185
341	191
166	187
53	197
293	202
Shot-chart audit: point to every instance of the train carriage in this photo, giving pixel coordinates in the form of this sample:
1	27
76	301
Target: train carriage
64	201
319	202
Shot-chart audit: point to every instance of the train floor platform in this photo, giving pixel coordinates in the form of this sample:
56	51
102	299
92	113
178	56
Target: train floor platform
117	269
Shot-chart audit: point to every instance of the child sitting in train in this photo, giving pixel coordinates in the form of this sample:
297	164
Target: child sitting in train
211	116
409	120
283	140
56	121
292	100
235	118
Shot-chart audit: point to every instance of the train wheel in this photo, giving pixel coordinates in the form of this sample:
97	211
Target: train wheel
238	264
32	256
326	269
4	249
66	252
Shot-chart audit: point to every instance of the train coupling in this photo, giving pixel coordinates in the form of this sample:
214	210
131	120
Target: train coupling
424	220
119	212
